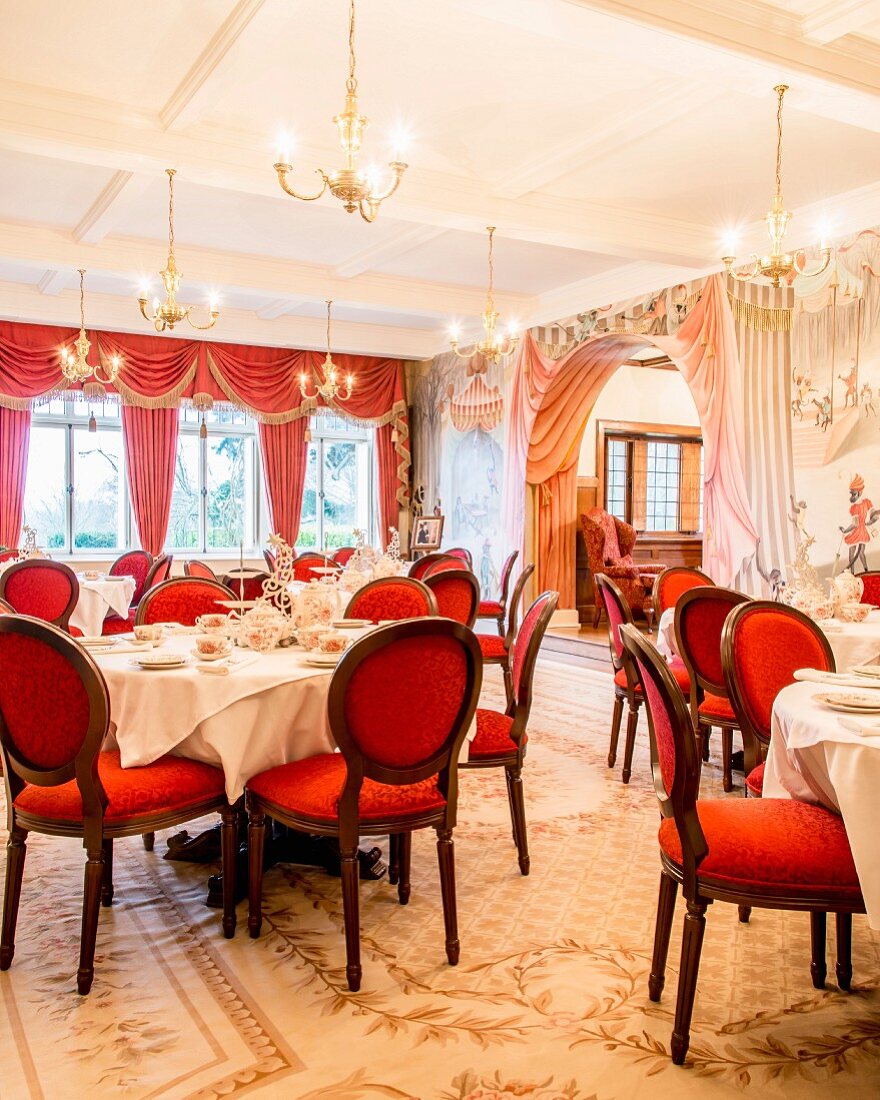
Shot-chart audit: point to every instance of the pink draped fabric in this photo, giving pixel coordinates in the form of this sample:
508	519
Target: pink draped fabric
551	404
387	461
283	450
15	430
150	437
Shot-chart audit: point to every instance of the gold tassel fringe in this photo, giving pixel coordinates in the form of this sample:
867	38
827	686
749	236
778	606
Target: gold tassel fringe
761	318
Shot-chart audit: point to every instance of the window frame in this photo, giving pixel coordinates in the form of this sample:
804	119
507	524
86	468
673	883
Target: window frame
322	437
634	431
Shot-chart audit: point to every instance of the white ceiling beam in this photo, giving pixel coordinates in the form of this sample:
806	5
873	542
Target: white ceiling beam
54	281
391	248
829	21
21	302
188	98
278	308
111	207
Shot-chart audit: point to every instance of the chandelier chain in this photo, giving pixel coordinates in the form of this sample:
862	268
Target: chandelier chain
781	89
491	295
329	304
82	302
351	83
170	172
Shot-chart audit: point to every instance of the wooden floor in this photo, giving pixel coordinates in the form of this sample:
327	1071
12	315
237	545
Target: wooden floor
585	645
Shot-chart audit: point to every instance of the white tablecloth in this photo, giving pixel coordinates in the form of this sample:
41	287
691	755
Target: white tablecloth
97	598
814	759
851	643
268	712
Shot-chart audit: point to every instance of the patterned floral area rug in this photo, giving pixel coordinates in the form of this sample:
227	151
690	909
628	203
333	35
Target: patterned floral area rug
549	1001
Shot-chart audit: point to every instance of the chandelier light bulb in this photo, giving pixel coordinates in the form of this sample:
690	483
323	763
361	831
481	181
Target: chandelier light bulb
329	390
493	346
75	364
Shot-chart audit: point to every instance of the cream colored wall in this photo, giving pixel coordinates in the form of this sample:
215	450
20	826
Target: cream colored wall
644	396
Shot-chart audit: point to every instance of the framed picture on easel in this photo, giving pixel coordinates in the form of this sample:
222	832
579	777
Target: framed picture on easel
427	534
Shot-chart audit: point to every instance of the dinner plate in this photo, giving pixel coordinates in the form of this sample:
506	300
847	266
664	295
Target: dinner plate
161	660
850	702
96	641
351	624
323	660
222	656
869	672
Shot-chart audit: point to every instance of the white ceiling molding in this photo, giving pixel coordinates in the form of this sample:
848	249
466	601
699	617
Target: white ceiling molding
391	249
118	198
829	21
278	308
54	281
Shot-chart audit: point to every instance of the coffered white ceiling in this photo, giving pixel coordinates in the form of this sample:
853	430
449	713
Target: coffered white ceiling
612	143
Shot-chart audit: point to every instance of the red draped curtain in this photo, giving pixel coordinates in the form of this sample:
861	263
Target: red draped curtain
150	437
15	430
283	449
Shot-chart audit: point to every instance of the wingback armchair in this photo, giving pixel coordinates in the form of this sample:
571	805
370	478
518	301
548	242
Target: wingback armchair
609	543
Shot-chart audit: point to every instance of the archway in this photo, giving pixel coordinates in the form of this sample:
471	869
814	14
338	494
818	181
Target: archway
552	403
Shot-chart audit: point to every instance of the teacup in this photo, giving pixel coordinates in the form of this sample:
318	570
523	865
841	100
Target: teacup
854	612
332	642
91	574
212	623
210	645
309	636
148	632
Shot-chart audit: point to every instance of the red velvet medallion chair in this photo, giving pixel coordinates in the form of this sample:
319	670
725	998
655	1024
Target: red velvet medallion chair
270	559
463	554
194	568
768	853
245	588
497	609
400	704
304	565
8	554
182	600
627	688
137	564
6	608
495	650
159	572
392	598
54	716
609	543
871	591
457	592
343	555
502	736
423	565
672	582
700	614
762	646
43	589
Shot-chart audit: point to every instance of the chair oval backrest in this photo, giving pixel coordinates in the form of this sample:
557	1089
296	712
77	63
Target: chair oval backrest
871	591
159	572
43	589
675	580
506	574
763	644
619	613
463	554
699	621
457	592
270	559
445	564
182	600
392	598
403	697
6	608
199	569
245	588
513	605
133	563
422	565
305	563
528	642
53	701
342	556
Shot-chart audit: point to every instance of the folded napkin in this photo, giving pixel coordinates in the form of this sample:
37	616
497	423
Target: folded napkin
223	668
836	679
866	727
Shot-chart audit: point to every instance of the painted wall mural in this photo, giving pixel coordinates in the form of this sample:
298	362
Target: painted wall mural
835	394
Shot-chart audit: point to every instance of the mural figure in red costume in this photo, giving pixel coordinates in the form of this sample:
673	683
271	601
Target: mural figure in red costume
864	515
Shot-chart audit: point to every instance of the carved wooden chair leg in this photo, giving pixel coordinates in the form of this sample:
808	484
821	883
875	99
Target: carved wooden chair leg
706	733
107	882
149	841
508	681
662	932
446	863
348	866
229	856
843	965
691	948
818	970
256	847
403	887
394	858
16	850
510	805
499	622
616	719
745	913
518	809
726	756
94	874
632	721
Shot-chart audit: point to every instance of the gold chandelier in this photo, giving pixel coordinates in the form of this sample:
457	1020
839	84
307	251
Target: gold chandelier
169	313
493	346
74	363
778	264
355	189
330	389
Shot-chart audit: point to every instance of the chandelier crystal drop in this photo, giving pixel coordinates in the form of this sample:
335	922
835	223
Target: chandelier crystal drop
493	347
167	314
74	362
355	188
330	389
777	265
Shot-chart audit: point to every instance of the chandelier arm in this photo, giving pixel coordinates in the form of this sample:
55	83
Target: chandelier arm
800	261
214	314
373	210
397	169
142	302
466	354
283	169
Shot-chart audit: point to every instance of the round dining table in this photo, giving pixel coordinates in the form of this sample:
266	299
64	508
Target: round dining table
830	759
97	598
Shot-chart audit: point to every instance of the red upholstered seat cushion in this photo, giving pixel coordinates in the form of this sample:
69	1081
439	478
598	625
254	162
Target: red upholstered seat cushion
490	607
493	736
677	669
114	625
755	781
169	783
491	646
771	845
74	631
716	706
312	788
